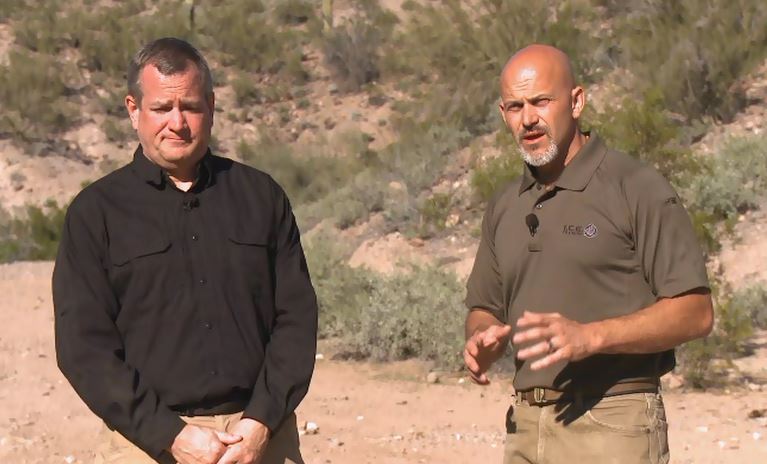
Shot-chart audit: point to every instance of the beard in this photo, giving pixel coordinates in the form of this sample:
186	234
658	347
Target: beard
542	159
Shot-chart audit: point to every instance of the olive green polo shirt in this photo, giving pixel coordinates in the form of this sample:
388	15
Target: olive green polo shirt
611	237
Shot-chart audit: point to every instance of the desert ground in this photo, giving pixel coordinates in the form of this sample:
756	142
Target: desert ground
366	413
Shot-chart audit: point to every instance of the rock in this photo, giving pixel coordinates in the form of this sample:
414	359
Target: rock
309	428
701	429
757	413
335	442
433	377
319	356
70	459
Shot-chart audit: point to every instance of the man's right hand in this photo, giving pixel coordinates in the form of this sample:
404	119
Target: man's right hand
484	348
201	445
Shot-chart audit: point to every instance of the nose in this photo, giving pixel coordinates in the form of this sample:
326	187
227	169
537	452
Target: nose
177	121
529	116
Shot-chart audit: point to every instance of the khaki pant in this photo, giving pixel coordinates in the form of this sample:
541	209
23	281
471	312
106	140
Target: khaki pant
283	447
622	429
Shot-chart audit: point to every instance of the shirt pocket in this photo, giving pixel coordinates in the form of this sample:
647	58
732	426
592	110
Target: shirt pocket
251	258
142	270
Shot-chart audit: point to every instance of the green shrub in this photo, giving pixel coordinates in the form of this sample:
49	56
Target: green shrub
704	362
752	300
351	50
707	46
342	292
434	212
490	176
644	129
733	180
413	315
31	89
453	54
33	236
291	12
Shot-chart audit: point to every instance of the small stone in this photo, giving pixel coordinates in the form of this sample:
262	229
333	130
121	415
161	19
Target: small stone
70	459
359	418
319	356
702	429
335	442
433	377
311	428
756	435
461	381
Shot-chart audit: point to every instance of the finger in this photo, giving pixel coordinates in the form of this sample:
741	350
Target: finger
228	438
504	331
230	456
471	363
480	379
535	350
549	360
471	346
531	335
530	319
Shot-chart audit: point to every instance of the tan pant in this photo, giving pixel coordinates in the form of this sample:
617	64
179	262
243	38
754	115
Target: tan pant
623	429
283	447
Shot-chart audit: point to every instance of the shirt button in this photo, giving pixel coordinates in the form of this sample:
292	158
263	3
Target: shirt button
203	281
214	372
539	206
195	237
208	325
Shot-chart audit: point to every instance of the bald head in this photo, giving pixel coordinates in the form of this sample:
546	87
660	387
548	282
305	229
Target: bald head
539	61
541	104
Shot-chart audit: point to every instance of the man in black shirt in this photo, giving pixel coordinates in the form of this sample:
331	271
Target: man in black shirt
185	316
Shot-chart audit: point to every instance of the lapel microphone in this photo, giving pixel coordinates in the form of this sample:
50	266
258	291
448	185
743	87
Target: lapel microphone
532	223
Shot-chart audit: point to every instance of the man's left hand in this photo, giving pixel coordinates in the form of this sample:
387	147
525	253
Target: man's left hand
554	336
252	448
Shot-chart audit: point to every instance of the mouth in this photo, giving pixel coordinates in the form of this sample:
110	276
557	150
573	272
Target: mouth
533	137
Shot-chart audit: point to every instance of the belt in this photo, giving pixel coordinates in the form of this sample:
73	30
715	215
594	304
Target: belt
540	396
212	409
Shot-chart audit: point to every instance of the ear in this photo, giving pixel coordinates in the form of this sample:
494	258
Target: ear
503	113
578	98
212	106
133	110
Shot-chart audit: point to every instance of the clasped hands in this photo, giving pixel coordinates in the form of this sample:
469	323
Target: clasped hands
548	336
245	444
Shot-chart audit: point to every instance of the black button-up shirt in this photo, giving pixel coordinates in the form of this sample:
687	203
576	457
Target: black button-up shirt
168	302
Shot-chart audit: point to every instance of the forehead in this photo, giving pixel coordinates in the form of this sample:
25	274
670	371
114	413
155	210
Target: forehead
158	86
527	80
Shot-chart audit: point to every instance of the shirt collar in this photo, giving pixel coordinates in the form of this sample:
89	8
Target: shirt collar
578	172
154	174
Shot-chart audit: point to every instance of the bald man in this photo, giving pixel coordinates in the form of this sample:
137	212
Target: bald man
588	264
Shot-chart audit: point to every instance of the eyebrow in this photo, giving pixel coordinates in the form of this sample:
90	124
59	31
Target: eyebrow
537	97
184	101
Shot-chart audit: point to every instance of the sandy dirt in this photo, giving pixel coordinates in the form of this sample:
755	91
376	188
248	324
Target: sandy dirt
366	413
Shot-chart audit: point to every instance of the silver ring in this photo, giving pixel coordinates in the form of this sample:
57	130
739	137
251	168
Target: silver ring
551	346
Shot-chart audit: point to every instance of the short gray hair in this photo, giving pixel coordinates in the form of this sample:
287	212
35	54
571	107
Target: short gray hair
170	56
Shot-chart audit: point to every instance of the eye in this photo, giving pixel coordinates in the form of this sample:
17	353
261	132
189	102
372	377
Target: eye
542	102
513	106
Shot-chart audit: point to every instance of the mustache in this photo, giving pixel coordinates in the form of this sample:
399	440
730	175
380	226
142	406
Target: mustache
539	129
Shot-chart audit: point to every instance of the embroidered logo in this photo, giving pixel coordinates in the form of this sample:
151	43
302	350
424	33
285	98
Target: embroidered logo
589	231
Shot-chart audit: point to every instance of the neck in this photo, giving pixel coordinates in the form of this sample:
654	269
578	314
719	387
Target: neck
184	179
549	173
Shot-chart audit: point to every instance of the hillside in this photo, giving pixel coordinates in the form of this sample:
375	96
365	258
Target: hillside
383	129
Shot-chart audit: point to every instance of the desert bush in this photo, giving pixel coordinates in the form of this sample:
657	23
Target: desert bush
34	235
695	51
31	89
434	212
307	176
351	49
291	12
452	54
734	178
342	292
704	362
489	176
417	314
644	129
752	300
